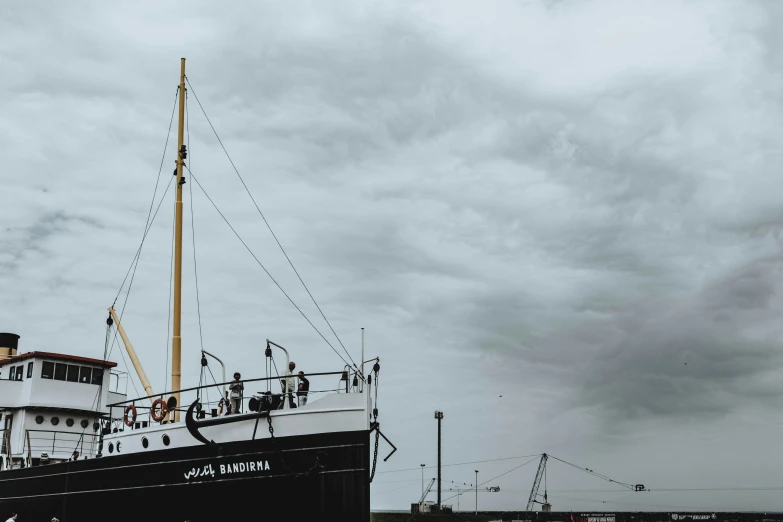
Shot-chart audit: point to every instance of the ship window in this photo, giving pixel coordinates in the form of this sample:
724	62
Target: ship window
145	442
85	374
166	440
97	376
19	372
59	371
73	373
11	373
47	370
111	448
29	369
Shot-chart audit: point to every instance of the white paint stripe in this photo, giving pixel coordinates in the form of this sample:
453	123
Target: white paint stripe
353	470
111	468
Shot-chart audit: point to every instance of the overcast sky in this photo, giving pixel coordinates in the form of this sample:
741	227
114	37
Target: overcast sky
574	205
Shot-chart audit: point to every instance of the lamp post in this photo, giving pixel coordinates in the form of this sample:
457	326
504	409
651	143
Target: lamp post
422	478
476	490
439	416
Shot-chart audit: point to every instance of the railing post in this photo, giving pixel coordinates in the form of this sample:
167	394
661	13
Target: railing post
54	438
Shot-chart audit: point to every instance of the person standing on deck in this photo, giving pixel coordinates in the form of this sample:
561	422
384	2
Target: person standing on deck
236	388
12	518
304	387
290	384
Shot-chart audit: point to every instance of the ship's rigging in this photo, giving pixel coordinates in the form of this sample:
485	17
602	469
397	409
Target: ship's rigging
179	179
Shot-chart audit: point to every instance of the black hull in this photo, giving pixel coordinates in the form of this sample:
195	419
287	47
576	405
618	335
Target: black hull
315	477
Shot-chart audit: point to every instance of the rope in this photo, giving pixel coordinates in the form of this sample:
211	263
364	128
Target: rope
270	228
193	230
160	169
264	268
135	264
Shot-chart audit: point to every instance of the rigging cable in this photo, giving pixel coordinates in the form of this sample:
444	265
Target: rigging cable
505	473
148	225
462	463
152	203
593	473
270	228
263	267
150	220
193	229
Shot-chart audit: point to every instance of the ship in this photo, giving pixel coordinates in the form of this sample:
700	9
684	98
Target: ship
75	446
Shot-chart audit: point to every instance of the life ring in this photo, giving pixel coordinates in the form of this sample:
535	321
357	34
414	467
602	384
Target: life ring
129	420
163	410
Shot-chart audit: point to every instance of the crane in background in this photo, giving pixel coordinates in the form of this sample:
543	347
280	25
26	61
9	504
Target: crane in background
425	507
459	491
541	473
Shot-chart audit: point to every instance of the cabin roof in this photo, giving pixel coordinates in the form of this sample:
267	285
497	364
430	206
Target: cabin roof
60	357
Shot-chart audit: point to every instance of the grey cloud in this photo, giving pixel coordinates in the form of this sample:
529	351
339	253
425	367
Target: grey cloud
559	203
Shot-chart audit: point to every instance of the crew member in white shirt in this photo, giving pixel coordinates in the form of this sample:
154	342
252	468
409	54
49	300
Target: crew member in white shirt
290	384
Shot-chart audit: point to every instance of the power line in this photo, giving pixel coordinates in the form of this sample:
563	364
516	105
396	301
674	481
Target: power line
269	226
595	474
461	463
263	267
502	474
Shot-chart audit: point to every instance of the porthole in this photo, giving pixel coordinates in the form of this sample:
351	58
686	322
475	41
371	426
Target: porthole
119	446
39	419
111	447
85	423
166	440
145	442
69	422
55	421
95	426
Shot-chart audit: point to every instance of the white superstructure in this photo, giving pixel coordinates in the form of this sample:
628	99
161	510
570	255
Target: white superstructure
50	405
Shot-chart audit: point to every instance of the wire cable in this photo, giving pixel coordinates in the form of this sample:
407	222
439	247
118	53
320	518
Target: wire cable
193	230
269	226
593	473
263	267
462	463
152	203
502	474
135	266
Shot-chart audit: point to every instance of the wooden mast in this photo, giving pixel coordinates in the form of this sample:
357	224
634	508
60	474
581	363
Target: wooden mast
176	340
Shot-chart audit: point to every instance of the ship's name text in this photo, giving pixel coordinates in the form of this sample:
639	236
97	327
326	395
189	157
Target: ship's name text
231	468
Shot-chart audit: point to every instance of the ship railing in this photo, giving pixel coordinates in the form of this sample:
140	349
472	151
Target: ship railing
213	403
60	445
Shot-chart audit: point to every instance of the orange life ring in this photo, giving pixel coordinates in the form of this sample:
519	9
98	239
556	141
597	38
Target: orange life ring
132	410
163	410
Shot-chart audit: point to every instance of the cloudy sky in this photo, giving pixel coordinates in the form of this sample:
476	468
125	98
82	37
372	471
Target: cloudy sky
573	205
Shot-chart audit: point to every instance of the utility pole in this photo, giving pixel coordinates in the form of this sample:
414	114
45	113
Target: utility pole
422	478
439	416
476	490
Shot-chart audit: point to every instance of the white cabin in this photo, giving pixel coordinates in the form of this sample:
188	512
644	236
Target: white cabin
50	405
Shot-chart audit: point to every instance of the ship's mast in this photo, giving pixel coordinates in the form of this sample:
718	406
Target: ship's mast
176	340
